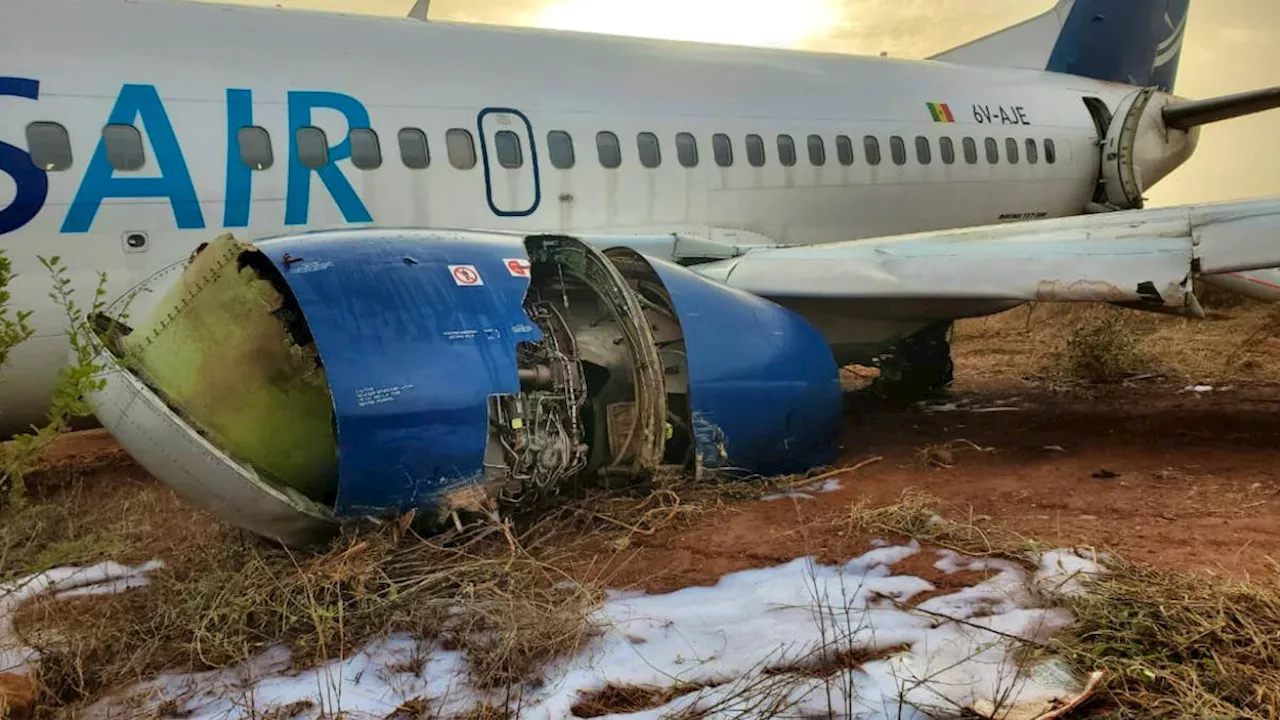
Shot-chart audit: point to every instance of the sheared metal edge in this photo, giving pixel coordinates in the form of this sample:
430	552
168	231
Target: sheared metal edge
162	443
193	290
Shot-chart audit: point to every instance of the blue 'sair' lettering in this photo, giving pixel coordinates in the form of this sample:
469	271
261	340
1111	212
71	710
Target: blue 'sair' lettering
138	102
32	182
239	175
298	202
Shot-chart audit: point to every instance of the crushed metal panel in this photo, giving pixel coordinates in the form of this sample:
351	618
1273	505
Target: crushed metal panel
200	473
247	379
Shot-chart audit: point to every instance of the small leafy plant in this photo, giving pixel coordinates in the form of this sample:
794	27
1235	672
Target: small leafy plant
79	376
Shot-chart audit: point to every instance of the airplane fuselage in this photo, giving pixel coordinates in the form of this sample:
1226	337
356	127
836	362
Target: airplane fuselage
258	121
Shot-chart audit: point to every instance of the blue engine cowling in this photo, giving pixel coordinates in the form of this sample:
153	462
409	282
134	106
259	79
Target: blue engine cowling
459	362
763	383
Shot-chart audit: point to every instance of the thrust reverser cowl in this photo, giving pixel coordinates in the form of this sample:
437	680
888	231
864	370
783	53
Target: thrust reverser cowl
455	370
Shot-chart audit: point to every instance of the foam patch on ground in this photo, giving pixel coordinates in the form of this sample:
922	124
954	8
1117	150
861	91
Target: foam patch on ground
826	486
756	642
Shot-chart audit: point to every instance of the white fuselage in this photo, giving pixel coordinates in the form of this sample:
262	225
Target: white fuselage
188	76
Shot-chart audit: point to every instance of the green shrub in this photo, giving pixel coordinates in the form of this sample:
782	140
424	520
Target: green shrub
75	379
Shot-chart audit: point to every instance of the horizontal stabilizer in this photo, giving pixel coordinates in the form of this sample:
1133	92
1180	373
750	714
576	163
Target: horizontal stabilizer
1262	285
419	9
1026	45
1144	258
1189	114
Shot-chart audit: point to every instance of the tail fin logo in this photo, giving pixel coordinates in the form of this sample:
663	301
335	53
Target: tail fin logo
1135	42
941	112
1169	48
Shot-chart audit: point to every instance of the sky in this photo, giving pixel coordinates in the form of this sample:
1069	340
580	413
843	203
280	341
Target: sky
1228	48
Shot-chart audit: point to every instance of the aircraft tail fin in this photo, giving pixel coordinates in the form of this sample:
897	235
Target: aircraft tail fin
1137	42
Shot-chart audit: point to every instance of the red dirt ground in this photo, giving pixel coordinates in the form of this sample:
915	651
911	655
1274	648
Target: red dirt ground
1169	478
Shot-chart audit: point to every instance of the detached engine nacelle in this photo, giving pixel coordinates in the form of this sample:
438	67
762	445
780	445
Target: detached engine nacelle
1140	148
311	380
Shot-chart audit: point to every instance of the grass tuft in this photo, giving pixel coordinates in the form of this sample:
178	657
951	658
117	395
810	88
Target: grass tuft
1172	644
1102	349
1178	645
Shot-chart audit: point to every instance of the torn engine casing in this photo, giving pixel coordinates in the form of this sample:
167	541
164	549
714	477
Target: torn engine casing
308	381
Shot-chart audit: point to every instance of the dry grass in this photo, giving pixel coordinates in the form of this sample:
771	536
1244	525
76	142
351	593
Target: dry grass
483	592
1071	343
72	521
498	590
1172	644
627	699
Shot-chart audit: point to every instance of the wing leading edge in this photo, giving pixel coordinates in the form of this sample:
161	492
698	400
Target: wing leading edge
1141	258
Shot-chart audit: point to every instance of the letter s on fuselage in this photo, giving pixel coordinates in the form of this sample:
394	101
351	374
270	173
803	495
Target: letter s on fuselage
140	104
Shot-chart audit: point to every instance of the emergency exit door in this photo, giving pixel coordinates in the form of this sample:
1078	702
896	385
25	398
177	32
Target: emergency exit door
510	158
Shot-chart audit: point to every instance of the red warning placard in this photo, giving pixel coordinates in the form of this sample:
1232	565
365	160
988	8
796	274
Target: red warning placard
518	267
465	275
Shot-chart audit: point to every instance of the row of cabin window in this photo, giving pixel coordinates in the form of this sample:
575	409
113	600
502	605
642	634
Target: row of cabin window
50	148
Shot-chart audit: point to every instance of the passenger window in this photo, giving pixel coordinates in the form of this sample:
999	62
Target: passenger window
844	149
687	149
993	151
924	153
50	146
786	150
948	150
413	148
608	148
1033	154
507	144
124	147
1011	148
460	148
898	150
650	153
871	147
366	151
255	147
722	148
755	150
560	144
817	151
970	151
1050	152
313	147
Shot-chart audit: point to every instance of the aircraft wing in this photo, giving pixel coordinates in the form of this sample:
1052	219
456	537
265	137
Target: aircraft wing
1143	258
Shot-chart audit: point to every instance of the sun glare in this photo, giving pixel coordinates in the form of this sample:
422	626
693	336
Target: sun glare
740	22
